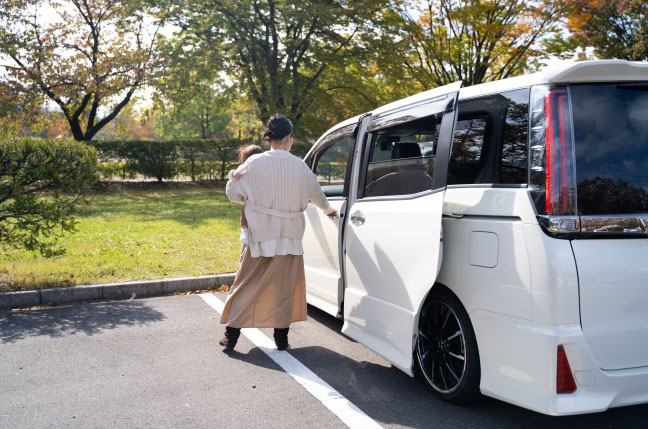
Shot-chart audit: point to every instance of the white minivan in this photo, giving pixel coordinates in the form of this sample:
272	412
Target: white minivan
494	238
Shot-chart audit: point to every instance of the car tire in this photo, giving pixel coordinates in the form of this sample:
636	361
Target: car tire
446	354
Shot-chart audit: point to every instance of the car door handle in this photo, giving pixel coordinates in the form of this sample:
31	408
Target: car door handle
358	218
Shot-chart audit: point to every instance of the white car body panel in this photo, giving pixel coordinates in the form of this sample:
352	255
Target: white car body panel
578	71
322	266
613	277
535	278
504	288
391	263
554	278
520	357
517	347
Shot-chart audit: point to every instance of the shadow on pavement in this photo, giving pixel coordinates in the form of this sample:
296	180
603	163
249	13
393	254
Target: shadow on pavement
392	397
325	319
255	356
89	319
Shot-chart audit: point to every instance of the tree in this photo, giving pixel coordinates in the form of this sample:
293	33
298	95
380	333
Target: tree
88	57
353	86
277	51
614	28
470	40
23	114
17	109
130	125
244	122
224	151
29	167
605	195
203	117
192	150
190	98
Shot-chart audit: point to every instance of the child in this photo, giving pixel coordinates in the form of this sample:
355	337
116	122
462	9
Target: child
244	152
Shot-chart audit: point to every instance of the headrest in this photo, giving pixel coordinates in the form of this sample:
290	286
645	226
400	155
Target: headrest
405	150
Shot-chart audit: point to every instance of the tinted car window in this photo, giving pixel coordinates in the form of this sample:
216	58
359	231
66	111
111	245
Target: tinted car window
467	146
490	142
611	138
513	168
331	166
401	161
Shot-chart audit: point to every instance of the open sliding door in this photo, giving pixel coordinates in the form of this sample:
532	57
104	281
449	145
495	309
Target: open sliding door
393	228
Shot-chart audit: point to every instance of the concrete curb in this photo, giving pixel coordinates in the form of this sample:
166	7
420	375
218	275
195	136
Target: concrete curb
110	291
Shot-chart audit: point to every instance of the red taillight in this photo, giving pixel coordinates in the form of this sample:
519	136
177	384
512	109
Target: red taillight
552	175
557	147
564	379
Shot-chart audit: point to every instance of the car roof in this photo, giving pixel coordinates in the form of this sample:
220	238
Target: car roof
562	73
566	72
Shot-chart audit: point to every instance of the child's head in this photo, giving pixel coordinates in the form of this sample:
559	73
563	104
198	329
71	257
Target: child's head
244	152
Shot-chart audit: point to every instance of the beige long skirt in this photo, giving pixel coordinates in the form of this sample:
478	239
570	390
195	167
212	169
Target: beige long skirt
267	292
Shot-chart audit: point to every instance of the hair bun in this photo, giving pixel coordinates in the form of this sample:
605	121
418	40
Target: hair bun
278	127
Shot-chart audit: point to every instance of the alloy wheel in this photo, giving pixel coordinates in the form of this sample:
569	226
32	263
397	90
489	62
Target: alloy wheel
441	347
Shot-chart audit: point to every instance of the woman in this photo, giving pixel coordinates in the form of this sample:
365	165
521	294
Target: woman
269	289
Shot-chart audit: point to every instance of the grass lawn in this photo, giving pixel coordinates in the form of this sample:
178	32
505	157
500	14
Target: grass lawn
142	233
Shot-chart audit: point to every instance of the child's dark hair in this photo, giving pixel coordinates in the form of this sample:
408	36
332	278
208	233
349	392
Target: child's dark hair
244	152
277	128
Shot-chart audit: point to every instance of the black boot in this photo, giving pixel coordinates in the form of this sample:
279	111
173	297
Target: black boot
281	338
230	338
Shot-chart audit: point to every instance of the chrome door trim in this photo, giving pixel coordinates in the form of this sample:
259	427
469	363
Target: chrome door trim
596	226
624	225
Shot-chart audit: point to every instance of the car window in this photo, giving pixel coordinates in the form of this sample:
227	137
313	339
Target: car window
490	142
515	152
611	136
331	166
467	148
401	159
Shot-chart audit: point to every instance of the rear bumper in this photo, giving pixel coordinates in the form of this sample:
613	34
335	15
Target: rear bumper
518	365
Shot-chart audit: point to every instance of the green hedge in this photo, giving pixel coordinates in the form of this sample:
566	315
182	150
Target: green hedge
110	170
198	159
203	170
169	159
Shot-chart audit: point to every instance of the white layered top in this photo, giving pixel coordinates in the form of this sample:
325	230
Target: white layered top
276	187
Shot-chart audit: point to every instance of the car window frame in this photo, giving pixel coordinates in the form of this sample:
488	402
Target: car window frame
326	143
494	155
439	106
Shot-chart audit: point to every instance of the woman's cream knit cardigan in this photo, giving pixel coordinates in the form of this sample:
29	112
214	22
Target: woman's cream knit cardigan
280	183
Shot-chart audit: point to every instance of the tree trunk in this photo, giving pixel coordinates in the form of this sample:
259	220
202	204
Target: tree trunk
193	166
75	127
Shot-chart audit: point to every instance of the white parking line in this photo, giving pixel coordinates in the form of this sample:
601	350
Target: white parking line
351	415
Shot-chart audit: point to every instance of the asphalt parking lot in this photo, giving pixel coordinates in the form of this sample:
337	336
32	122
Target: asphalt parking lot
156	363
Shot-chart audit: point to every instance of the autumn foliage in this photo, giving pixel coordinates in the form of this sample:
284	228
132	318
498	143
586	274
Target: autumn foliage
317	61
86	56
614	28
443	41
